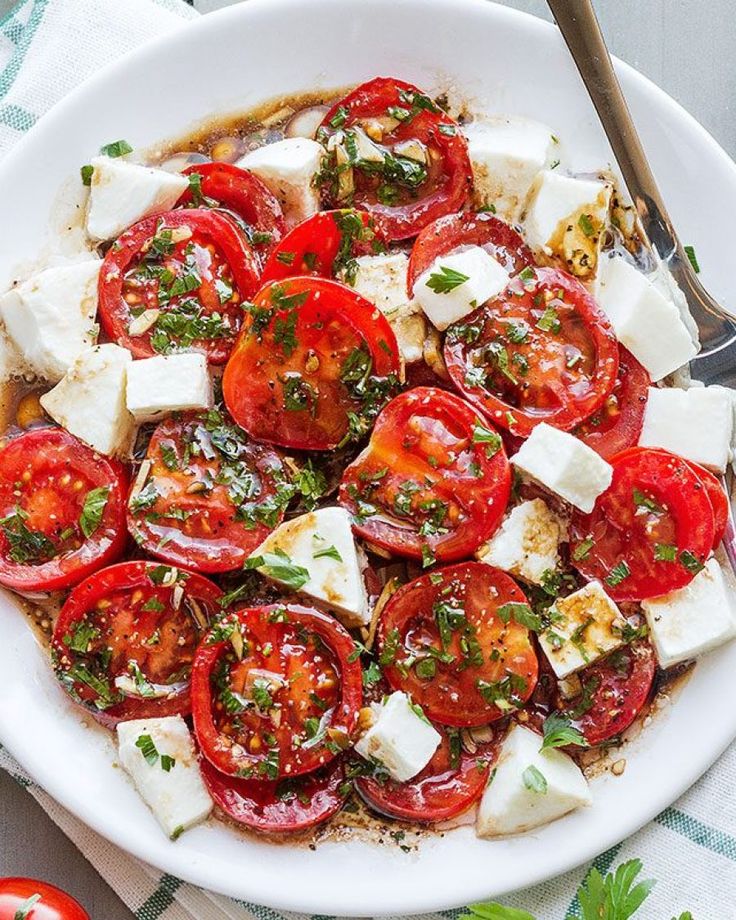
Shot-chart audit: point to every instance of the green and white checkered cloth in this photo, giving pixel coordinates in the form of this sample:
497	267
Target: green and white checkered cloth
46	48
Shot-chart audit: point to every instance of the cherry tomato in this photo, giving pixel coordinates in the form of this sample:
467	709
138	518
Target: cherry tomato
276	692
451	641
414	170
177	281
718	500
649	532
210	497
29	899
542	351
62	511
313	366
433	482
124	641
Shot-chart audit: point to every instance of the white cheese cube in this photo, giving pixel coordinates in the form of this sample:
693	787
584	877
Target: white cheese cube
382	280
167	383
699	617
288	168
321	543
89	401
696	424
527	542
645	322
586	625
51	317
455	284
11	361
506	154
564	465
410	330
529	787
400	739
159	756
566	219
123	193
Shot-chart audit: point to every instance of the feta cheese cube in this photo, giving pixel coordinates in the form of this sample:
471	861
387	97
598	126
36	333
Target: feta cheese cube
51	317
471	277
410	330
529	787
321	543
644	320
697	423
400	739
695	619
527	542
167	383
564	465
11	361
159	756
586	625
566	218
288	168
382	280
506	154
122	193
89	401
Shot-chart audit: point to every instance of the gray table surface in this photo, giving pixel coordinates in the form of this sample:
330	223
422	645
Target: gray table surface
688	49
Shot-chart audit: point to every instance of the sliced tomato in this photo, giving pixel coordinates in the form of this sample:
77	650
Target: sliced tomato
30	899
278	807
124	641
313	366
543	351
433	482
415	170
450	640
62	511
617	424
276	692
650	532
177	282
210	496
718	501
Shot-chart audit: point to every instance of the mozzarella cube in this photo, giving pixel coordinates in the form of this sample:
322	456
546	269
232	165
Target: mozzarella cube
529	787
174	791
696	424
123	193
566	219
11	361
527	542
695	619
455	284
410	330
506	154
401	739
167	383
382	280
51	317
645	322
89	401
321	543
585	626
289	169
564	465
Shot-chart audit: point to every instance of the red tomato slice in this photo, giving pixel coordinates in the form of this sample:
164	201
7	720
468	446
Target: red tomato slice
454	230
125	639
617	424
450	640
275	692
62	511
433	482
211	496
281	807
650	532
718	500
194	268
543	351
313	366
403	193
29	899
224	185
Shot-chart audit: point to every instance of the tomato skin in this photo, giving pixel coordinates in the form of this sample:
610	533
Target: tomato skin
718	500
449	187
49	458
54	904
473	487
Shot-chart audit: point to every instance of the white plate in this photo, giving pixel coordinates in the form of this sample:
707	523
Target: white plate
228	61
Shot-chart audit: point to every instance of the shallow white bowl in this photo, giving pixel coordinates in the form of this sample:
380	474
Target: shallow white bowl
506	62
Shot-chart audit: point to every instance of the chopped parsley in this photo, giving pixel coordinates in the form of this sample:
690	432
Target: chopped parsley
93	509
446	280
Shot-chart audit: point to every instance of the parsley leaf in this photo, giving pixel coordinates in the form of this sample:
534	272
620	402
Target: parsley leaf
116	149
614	897
278	565
446	280
559	731
94	506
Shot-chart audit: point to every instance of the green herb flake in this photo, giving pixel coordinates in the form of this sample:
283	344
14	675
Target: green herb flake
618	573
446	280
534	780
329	552
691	562
147	747
491	440
582	550
116	149
93	509
693	259
665	552
559	732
